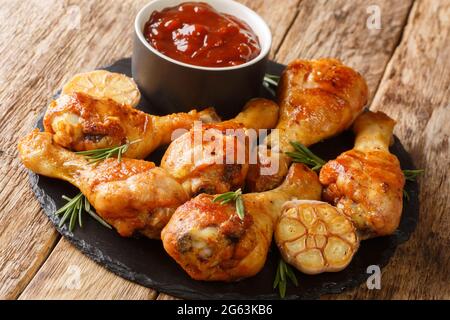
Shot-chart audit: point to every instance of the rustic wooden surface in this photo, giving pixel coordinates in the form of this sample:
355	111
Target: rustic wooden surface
406	64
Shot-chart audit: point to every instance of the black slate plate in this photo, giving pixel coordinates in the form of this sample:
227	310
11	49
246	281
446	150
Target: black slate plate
145	262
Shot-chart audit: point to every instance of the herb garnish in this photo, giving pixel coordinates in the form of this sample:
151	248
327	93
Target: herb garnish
411	175
284	272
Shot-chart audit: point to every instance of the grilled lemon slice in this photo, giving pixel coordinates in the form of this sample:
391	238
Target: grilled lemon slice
104	84
315	237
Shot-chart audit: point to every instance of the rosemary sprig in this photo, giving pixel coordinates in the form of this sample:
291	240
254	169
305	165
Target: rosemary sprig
284	272
411	175
406	195
271	79
303	155
97	155
235	196
73	210
270	82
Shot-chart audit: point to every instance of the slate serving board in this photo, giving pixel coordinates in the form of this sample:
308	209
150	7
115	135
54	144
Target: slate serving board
145	262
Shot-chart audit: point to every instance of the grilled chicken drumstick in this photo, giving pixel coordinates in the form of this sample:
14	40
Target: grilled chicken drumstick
211	242
366	183
318	99
81	122
214	158
131	195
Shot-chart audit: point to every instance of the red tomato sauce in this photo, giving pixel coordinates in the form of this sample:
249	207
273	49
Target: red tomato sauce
195	33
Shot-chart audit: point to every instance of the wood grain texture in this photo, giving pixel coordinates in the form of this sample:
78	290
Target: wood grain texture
26	236
68	274
415	90
44	42
339	29
58	39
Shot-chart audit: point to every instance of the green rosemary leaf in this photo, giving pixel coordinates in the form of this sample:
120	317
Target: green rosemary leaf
73	211
277	279
93	151
282	289
291	275
125	148
273	76
284	272
235	196
411	175
270	82
240	207
238	192
226	201
271	79
66	198
227	196
73	217
69	204
97	155
301	148
67	213
87	204
80	210
100	220
301	159
406	195
303	155
268	88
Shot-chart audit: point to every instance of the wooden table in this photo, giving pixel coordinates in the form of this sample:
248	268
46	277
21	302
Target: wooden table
406	63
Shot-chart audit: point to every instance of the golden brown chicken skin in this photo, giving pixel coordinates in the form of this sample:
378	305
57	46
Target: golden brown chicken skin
80	122
367	181
315	237
211	242
318	99
214	158
131	195
210	165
